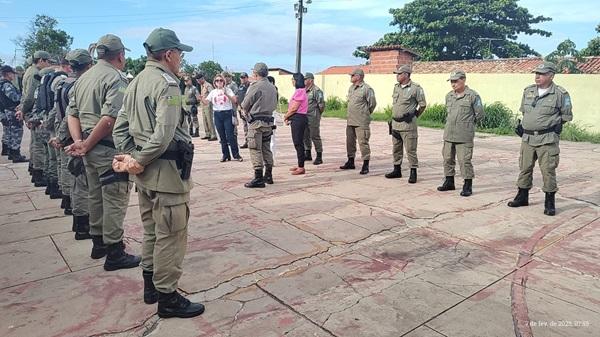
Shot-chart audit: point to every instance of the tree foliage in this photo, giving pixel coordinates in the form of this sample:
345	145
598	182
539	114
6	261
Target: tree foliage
461	29
1	62
135	66
43	35
593	47
566	56
210	69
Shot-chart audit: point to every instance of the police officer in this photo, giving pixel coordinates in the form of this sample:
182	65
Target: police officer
163	188
93	107
38	117
241	94
464	110
545	107
31	80
12	124
259	104
361	104
207	115
191	106
408	103
316	106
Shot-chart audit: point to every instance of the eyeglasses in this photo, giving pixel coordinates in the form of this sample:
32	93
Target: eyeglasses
219	81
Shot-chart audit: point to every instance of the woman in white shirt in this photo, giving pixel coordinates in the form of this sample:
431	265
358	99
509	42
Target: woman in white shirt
222	100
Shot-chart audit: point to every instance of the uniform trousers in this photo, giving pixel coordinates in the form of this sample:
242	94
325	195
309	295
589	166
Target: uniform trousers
547	156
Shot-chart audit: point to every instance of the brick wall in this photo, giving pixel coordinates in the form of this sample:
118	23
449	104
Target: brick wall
386	61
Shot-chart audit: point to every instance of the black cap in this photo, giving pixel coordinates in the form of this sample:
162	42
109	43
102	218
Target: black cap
7	69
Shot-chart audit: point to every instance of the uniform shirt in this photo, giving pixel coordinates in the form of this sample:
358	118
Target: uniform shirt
152	119
189	96
205	89
361	104
407	99
10	91
61	127
463	112
51	121
261	98
97	93
241	93
316	100
544	112
30	83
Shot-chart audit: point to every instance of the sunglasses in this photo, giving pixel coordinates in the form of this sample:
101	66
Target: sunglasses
219	81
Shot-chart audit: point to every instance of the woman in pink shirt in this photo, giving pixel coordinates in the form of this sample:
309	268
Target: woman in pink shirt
296	117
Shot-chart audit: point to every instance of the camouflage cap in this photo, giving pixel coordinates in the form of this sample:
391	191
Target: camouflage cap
41	54
457	74
7	69
243	75
405	68
545	67
310	76
110	42
357	71
79	56
261	69
161	39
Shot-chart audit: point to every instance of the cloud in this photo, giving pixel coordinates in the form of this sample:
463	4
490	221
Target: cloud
577	11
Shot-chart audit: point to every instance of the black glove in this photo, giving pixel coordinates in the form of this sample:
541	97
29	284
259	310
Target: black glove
519	128
558	128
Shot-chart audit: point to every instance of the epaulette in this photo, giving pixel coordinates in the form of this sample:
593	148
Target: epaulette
170	80
561	89
530	87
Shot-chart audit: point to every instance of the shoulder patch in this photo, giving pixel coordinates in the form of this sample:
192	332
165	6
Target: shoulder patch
170	80
174	100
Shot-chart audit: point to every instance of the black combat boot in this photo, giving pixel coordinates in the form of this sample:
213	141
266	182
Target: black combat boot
63	202
55	192
448	184
521	199
30	168
150	293
467	189
549	207
4	150
197	133
98	248
349	165
268	174
319	159
175	305
39	180
82	229
307	155
74	226
365	167
16	157
191	131
258	181
117	258
68	209
396	173
413	176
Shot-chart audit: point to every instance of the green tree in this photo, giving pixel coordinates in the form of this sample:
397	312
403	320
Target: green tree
187	67
209	69
43	35
135	66
593	47
1	62
566	56
461	29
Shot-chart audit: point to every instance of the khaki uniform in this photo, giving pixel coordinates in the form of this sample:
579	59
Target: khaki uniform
542	113
207	114
98	93
463	112
30	84
190	107
260	102
40	153
406	100
361	104
312	133
163	196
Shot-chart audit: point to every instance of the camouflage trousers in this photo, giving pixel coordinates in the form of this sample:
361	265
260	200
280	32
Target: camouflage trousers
405	140
547	156
38	149
12	130
312	133
464	153
165	219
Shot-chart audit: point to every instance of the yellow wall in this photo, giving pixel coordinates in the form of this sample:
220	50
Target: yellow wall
505	88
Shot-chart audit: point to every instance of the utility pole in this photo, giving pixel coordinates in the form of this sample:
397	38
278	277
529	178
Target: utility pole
300	11
489	40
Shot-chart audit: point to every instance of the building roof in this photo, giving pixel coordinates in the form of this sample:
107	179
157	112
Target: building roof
390	47
499	66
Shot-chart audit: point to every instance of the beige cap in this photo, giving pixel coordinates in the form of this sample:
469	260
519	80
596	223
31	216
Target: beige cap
110	42
456	75
357	71
405	68
545	67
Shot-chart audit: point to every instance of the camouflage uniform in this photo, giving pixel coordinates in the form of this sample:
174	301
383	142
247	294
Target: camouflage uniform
13	128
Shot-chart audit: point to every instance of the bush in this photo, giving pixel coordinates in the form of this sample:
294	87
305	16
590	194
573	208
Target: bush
283	100
434	113
573	131
335	103
497	116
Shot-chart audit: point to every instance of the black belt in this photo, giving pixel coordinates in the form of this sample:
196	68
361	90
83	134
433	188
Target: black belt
539	132
167	155
262	119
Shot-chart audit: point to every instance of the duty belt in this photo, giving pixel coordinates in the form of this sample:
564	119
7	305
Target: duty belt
539	132
261	118
167	155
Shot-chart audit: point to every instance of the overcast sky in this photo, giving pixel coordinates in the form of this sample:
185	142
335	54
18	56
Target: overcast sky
240	33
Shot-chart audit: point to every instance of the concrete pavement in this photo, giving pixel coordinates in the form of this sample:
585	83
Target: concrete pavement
330	253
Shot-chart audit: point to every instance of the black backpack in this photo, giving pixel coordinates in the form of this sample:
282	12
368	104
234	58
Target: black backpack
5	102
62	95
45	98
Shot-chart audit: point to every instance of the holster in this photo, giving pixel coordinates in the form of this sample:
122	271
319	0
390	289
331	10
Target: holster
519	129
111	176
183	157
76	166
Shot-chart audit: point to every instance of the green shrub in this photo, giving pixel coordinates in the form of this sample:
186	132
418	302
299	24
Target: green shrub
434	113
283	100
335	103
497	116
573	131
